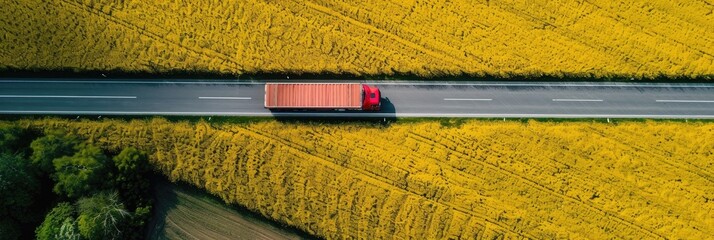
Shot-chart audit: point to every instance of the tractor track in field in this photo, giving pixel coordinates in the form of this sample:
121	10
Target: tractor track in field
207	52
370	177
545	189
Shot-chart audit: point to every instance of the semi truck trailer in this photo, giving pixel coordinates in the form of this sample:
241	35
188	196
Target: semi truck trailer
321	96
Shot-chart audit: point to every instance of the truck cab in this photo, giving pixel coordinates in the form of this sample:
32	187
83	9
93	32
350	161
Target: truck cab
371	98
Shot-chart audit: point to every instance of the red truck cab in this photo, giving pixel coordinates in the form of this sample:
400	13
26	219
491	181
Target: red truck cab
371	100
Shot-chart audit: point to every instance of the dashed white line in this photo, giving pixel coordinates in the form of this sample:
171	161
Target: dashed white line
467	99
69	96
576	100
686	101
226	98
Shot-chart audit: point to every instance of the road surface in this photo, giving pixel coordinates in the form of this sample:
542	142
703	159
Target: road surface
401	99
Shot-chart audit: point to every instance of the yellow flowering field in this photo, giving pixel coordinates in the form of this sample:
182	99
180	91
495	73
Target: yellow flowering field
488	179
601	38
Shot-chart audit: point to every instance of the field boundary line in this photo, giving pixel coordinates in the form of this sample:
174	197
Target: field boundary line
372	82
368	115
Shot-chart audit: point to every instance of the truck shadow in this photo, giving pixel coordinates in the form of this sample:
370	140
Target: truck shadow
388	108
385	117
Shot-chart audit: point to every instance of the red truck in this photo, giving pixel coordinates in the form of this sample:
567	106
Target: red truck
321	96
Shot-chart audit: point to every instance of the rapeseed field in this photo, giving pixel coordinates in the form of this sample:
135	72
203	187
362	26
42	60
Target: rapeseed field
427	180
598	38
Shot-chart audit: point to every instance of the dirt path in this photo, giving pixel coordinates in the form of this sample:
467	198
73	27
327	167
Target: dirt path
182	212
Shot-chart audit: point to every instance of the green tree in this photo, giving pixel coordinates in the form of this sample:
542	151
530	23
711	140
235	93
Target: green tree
58	224
9	137
133	184
131	180
50	147
102	216
82	173
18	190
69	230
141	216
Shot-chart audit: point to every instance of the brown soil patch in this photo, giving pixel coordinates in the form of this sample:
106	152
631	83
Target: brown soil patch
185	213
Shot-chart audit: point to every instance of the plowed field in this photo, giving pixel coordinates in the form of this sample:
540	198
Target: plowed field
185	213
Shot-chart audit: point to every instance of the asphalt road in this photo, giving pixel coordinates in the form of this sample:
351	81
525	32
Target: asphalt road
400	99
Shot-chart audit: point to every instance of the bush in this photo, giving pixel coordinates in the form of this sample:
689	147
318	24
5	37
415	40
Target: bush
9	137
82	173
19	189
50	147
102	216
131	177
59	223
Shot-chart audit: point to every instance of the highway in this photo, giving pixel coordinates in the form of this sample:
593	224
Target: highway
400	99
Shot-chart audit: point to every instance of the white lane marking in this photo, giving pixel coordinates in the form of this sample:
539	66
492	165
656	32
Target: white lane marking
686	101
69	96
542	84
467	99
238	82
380	115
576	100
227	98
